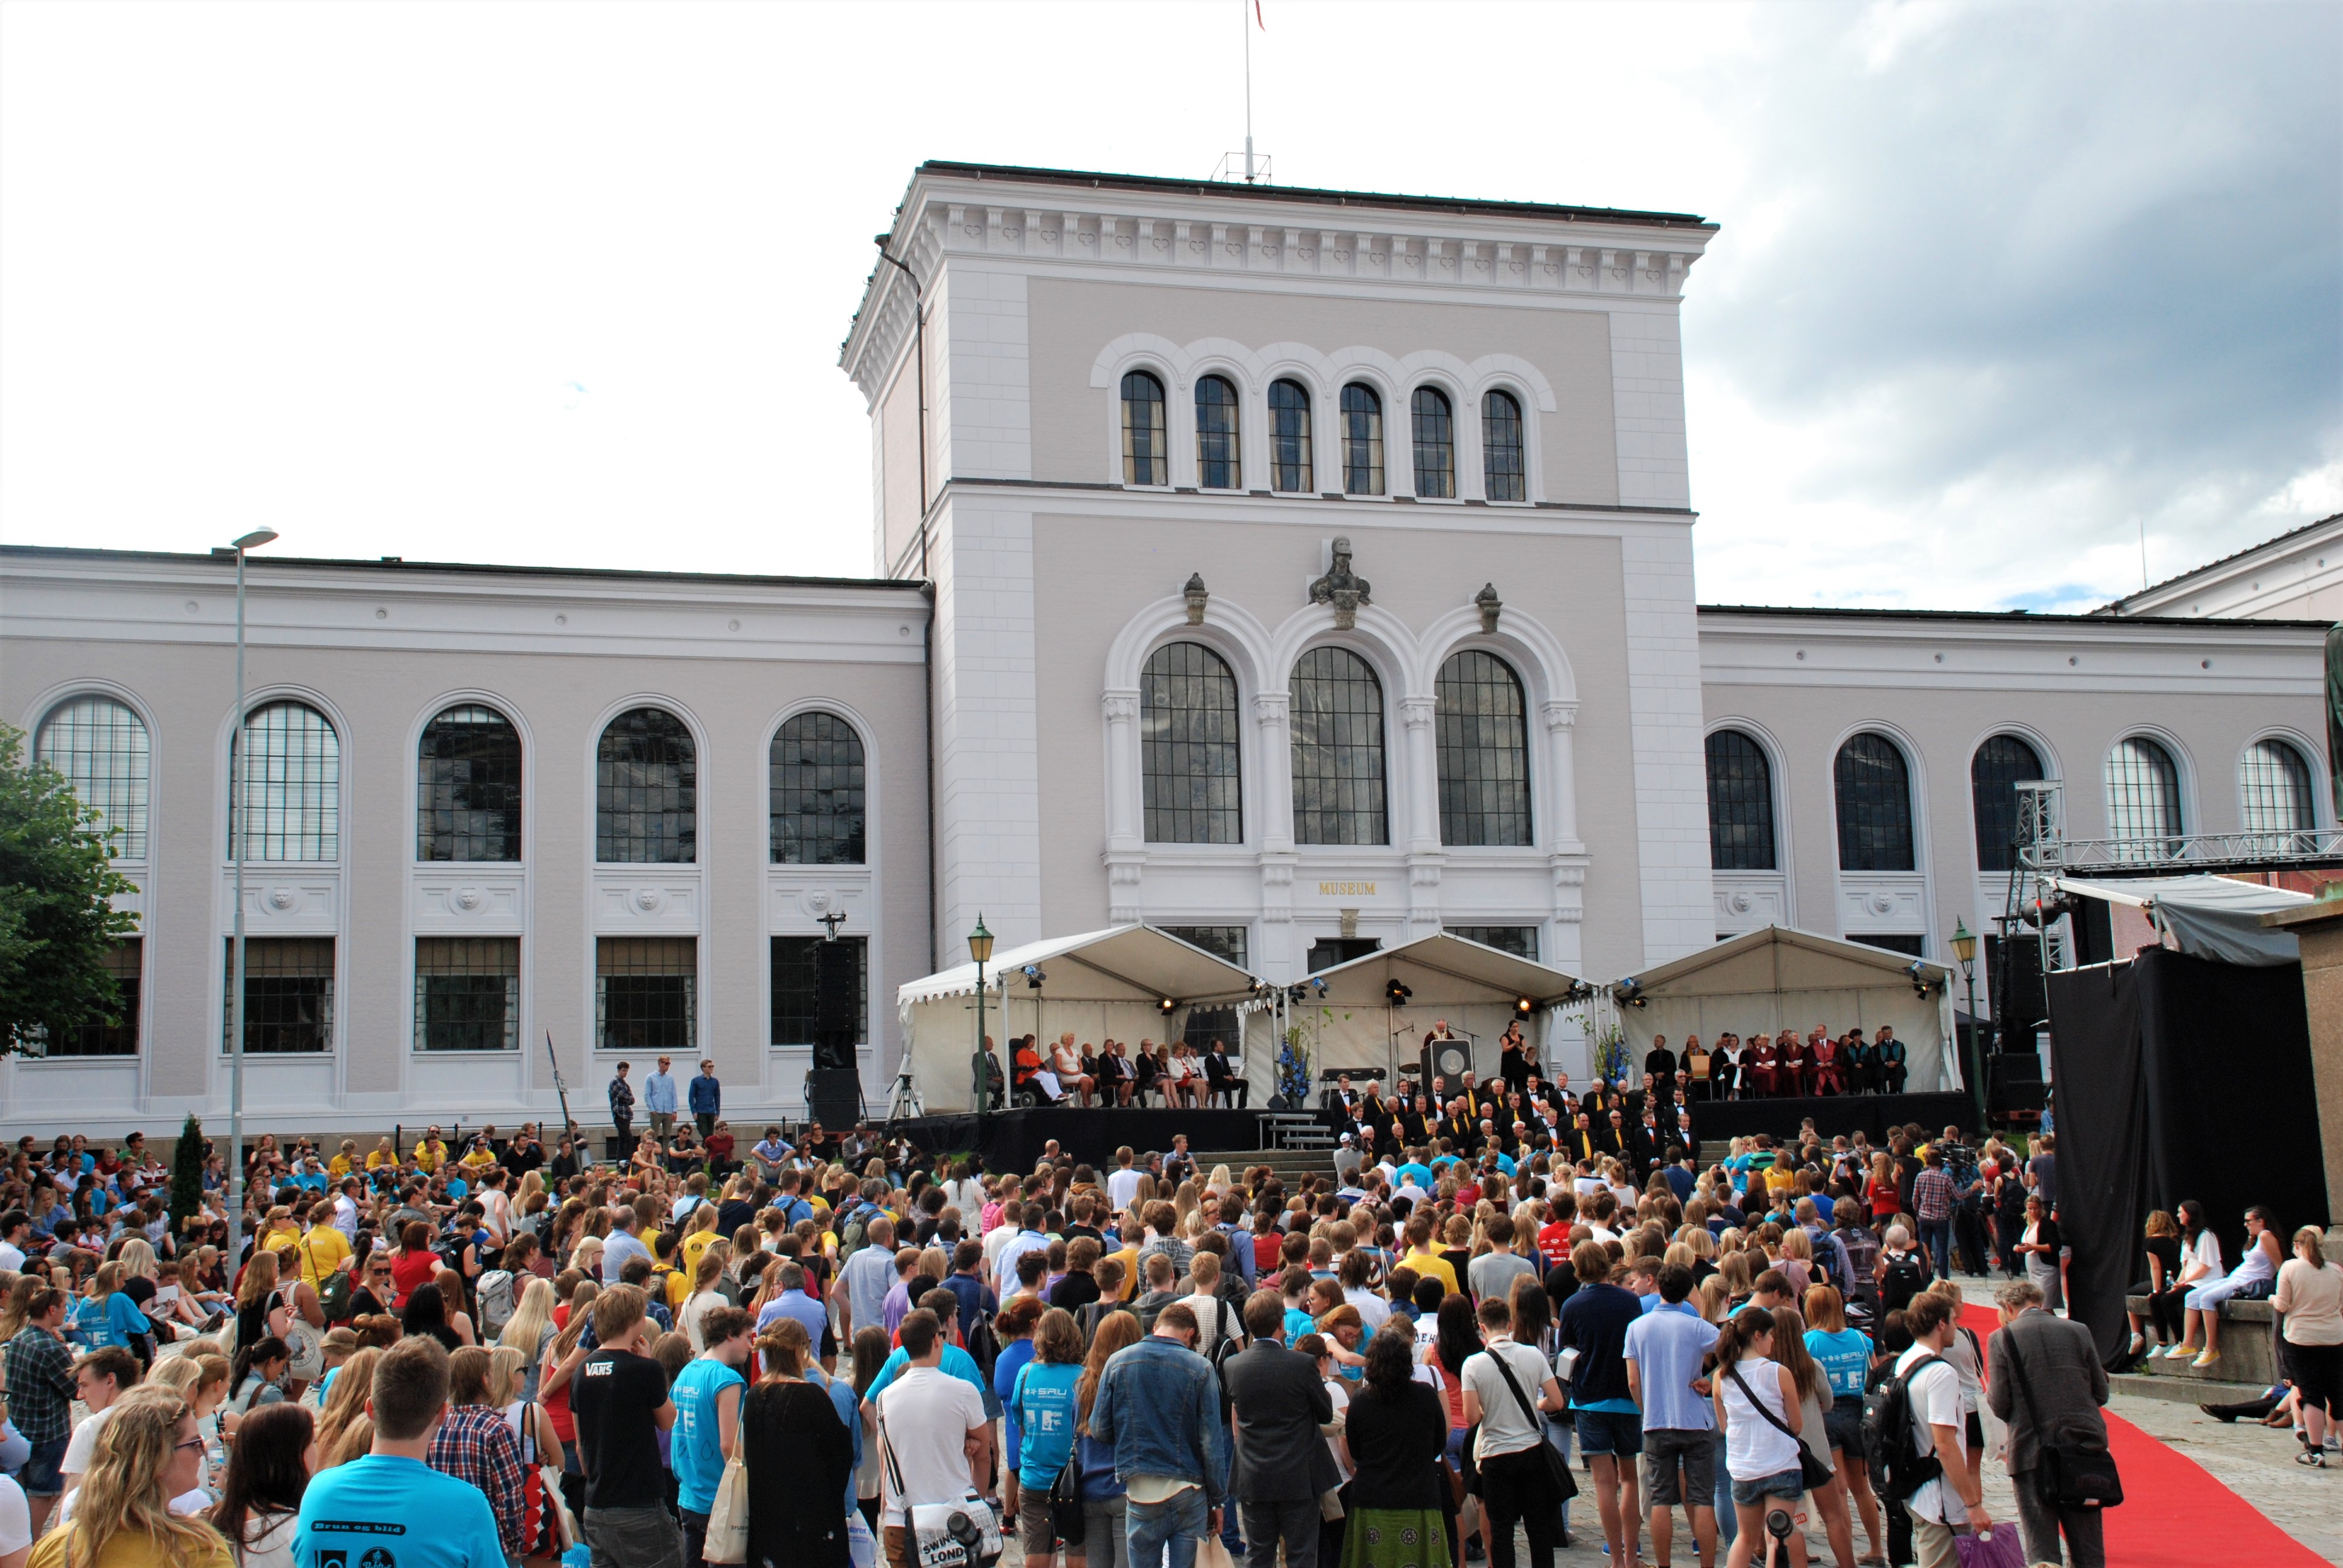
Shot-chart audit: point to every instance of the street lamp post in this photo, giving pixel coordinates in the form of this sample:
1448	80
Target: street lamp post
979	948
1965	949
251	541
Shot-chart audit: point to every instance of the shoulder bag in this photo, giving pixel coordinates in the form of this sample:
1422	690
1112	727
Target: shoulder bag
1813	1474
943	1534
1558	1468
2070	1476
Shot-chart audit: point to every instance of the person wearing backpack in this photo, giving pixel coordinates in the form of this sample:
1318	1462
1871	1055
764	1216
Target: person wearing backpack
1900	1275
1925	1439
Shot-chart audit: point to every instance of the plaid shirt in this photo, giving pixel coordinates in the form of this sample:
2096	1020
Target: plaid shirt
474	1444
1932	1194
40	1385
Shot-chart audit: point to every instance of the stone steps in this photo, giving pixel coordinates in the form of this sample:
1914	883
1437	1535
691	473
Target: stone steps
2248	1358
2202	1389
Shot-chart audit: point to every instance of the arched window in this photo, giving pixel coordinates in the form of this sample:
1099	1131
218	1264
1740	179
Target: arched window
1994	773
1363	441
468	786
1289	437
2143	797
1143	445
100	746
1218	465
2274	792
815	776
1435	421
292	785
1503	472
645	791
1740	804
1483	745
1875	806
1338	751
1188	748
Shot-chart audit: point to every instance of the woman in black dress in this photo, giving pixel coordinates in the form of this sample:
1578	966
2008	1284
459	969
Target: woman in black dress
1398	1504
800	1462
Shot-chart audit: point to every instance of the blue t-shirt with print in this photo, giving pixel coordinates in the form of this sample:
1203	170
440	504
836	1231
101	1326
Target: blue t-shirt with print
1043	1401
696	1446
1845	1358
401	1511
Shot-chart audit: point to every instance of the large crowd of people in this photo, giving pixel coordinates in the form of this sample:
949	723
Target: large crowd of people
837	1347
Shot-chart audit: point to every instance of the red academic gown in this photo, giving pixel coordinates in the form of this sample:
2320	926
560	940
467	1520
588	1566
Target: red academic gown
1827	1079
1794	1068
1765	1073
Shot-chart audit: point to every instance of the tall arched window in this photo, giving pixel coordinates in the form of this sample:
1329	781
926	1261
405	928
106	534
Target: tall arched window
1994	773
645	791
2274	791
1289	437
1338	751
1188	748
1435	421
1218	464
1143	444
1505	473
815	776
2143	797
1740	804
292	785
468	786
1363	441
1875	806
1483	747
100	746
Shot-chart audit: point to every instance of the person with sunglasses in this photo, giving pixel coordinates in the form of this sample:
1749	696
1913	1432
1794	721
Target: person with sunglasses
375	1288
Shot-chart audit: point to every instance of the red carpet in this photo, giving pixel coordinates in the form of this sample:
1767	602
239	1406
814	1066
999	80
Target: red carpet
2175	1514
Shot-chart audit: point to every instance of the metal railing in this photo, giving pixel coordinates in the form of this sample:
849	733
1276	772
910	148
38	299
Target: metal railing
2182	853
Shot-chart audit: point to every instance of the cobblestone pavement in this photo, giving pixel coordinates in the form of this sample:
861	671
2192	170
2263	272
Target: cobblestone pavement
2255	1462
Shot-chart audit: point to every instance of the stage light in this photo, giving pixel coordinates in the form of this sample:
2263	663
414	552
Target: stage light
1033	975
1525	1006
1396	994
1318	985
1165	1006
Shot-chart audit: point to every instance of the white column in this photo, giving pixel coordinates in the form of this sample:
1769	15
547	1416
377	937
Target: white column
1270	717
1121	710
1561	786
1422	798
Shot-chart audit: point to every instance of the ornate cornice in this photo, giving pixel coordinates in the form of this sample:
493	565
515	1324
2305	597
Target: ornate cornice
1058	224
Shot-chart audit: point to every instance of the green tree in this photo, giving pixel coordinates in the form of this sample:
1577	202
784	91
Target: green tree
57	919
187	1174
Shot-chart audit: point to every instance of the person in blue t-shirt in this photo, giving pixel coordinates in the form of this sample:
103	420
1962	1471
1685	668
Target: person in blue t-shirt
1845	1355
1415	1171
1045	1406
708	1393
391	1507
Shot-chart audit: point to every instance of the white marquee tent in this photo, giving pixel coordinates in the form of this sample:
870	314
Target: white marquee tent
1775	978
1476	989
1100	984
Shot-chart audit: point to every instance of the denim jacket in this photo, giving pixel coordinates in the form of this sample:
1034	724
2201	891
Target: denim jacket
1160	1406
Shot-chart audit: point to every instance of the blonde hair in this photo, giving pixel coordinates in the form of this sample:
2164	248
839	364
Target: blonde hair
345	1401
138	1258
2310	1241
128	1489
530	1319
508	1371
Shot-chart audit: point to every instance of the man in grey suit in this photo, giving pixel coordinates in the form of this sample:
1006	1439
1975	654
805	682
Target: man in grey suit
1281	1463
2067	1385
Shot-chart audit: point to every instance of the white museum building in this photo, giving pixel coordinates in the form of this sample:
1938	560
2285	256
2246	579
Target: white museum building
1299	588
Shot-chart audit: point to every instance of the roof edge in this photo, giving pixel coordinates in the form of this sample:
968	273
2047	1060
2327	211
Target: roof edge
480	568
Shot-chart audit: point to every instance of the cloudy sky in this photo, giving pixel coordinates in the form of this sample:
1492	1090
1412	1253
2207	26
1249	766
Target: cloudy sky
2000	289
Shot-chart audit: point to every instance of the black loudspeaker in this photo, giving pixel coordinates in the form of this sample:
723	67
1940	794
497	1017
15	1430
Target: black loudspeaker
1448	1059
834	1096
2014	1084
836	979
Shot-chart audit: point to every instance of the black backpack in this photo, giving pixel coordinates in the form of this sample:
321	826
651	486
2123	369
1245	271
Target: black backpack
1901	1283
983	1346
1898	1468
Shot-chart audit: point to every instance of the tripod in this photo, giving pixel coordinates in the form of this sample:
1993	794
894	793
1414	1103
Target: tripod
905	1100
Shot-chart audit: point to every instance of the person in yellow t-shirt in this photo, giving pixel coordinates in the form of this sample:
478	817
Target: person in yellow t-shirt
342	1164
324	1248
152	1452
703	1231
430	1152
383	1155
1427	1263
478	1157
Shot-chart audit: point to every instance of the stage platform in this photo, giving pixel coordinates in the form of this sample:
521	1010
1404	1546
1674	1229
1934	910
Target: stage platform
1716	1121
1013	1139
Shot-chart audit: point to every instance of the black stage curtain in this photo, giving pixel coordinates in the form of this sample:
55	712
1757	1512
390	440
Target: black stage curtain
1013	1139
2167	1069
1716	1121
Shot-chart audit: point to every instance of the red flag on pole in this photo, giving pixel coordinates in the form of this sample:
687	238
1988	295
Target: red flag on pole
1256	15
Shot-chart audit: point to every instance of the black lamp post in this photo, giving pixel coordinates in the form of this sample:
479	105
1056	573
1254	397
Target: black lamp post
979	948
1965	949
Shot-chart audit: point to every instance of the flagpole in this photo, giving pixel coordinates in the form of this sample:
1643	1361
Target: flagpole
1243	10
